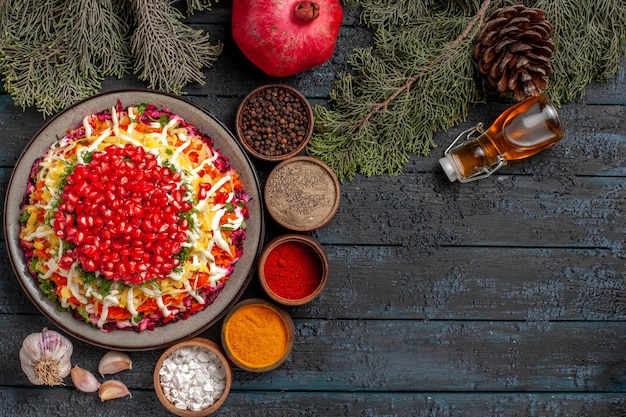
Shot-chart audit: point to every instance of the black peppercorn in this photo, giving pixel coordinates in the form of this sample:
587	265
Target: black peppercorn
274	121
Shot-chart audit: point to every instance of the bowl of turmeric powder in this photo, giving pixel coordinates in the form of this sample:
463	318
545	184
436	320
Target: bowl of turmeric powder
257	336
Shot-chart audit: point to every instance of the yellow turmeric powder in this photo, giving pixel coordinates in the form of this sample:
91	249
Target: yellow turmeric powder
256	335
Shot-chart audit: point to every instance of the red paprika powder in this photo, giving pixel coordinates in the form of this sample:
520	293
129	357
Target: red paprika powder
293	270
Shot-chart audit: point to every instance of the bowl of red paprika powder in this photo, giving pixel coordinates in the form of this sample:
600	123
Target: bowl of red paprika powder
293	269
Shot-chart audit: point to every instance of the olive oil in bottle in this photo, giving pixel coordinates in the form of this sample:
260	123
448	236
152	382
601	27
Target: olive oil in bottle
521	131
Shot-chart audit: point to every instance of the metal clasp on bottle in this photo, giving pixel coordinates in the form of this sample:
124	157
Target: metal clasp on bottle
470	134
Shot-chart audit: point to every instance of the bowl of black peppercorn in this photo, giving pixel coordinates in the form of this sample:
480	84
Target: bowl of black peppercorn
274	122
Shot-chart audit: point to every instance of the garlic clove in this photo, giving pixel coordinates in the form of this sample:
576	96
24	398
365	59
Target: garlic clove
84	380
112	389
113	362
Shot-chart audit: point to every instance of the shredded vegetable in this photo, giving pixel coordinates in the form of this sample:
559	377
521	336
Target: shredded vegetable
116	252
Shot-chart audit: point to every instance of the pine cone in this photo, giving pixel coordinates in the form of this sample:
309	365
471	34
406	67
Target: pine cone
514	50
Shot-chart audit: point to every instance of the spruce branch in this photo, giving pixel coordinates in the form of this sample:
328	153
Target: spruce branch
198	5
50	66
93	30
168	54
406	86
590	43
420	77
35	67
31	18
385	13
54	53
417	79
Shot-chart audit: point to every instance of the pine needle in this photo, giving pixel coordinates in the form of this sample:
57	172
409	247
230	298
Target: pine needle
198	5
54	53
50	66
420	76
169	54
590	43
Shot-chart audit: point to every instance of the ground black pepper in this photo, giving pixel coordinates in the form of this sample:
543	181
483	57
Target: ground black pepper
301	194
274	121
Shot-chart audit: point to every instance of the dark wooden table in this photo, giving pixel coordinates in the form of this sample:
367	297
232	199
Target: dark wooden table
503	297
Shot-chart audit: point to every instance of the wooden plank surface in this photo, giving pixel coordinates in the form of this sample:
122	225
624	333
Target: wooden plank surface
74	404
504	297
452	283
406	356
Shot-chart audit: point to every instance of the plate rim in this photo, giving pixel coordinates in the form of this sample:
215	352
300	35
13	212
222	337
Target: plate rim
84	331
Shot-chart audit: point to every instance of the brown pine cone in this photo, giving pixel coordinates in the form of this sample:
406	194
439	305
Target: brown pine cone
514	50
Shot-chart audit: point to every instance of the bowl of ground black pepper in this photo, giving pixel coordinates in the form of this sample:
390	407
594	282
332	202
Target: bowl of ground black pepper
274	122
302	194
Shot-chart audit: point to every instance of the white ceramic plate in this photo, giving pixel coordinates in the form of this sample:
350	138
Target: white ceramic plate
173	332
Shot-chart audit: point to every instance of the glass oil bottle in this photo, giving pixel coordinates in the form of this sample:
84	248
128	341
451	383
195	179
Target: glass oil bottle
523	130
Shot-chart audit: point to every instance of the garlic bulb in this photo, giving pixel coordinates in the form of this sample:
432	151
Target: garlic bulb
45	357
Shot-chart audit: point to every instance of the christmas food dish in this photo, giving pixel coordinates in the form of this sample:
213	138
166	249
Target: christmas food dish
134	218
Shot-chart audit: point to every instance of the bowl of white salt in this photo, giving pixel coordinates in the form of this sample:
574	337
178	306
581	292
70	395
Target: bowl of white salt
192	378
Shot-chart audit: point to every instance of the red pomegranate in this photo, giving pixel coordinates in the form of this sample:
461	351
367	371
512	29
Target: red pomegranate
286	37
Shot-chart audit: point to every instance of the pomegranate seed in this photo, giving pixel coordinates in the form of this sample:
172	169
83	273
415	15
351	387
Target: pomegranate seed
66	261
150	164
70	208
72	198
89	265
136	234
168	187
98	222
136	253
177	195
119	211
90	251
80	237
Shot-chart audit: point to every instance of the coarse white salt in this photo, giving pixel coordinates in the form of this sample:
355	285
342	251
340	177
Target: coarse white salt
192	378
